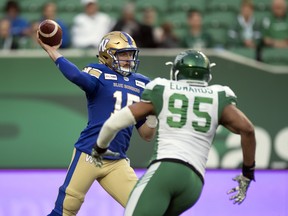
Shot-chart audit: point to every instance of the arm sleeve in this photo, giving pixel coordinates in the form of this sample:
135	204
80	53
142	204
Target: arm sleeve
113	125
85	81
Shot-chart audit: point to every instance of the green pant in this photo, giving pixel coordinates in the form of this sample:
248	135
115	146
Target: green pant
167	188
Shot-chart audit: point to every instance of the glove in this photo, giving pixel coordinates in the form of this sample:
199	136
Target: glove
241	189
98	153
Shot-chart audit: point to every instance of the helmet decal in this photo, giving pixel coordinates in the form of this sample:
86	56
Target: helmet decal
102	45
113	45
128	37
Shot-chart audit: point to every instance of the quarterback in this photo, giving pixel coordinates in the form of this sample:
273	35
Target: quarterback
109	86
189	112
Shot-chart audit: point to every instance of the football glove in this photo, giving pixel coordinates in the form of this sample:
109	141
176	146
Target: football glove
98	153
241	189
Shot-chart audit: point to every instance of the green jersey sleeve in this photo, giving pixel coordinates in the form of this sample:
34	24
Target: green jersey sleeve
153	93
226	97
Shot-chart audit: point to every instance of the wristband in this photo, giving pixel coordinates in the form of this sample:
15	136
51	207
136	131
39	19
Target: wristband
248	171
151	121
100	150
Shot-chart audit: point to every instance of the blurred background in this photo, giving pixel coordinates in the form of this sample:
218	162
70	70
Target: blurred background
42	114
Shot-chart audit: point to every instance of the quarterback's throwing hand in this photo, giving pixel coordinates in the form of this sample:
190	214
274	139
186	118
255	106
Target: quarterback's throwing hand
98	153
241	189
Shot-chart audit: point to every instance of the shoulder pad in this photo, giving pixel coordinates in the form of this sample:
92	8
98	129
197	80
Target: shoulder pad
156	81
228	91
142	77
92	71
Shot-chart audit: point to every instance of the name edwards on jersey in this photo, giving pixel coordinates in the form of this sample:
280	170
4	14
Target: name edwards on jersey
175	86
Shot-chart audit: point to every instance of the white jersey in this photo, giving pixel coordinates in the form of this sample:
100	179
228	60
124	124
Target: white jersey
188	118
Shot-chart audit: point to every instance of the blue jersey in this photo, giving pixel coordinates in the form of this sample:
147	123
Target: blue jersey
107	92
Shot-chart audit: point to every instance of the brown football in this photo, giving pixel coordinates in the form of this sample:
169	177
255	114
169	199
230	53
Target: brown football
50	32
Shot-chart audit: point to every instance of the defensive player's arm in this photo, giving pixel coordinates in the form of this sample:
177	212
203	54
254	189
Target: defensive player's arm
237	122
69	70
122	119
147	130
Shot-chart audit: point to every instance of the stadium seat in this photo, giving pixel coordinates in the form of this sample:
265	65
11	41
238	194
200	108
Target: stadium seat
31	16
223	5
184	5
111	5
32	5
275	56
178	19
158	21
262	5
159	5
67	17
114	14
2	4
68	6
219	36
259	15
219	19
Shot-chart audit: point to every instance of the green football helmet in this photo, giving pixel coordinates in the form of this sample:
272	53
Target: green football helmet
192	66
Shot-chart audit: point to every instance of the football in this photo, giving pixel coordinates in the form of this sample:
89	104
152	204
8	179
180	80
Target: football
50	32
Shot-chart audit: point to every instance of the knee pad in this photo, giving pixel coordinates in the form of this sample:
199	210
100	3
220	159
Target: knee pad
72	202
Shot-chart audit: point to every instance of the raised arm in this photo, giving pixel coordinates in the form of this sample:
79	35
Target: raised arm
69	70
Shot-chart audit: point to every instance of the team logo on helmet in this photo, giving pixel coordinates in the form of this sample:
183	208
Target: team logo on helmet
114	43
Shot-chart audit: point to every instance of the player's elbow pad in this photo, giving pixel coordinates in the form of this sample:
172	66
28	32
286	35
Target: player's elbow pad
116	122
121	120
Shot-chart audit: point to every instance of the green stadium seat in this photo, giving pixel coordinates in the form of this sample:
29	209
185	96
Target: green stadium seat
31	16
111	5
158	22
185	5
159	5
180	32
259	15
178	19
69	6
262	5
219	36
223	5
275	56
221	19
2	4
67	17
114	14
32	5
